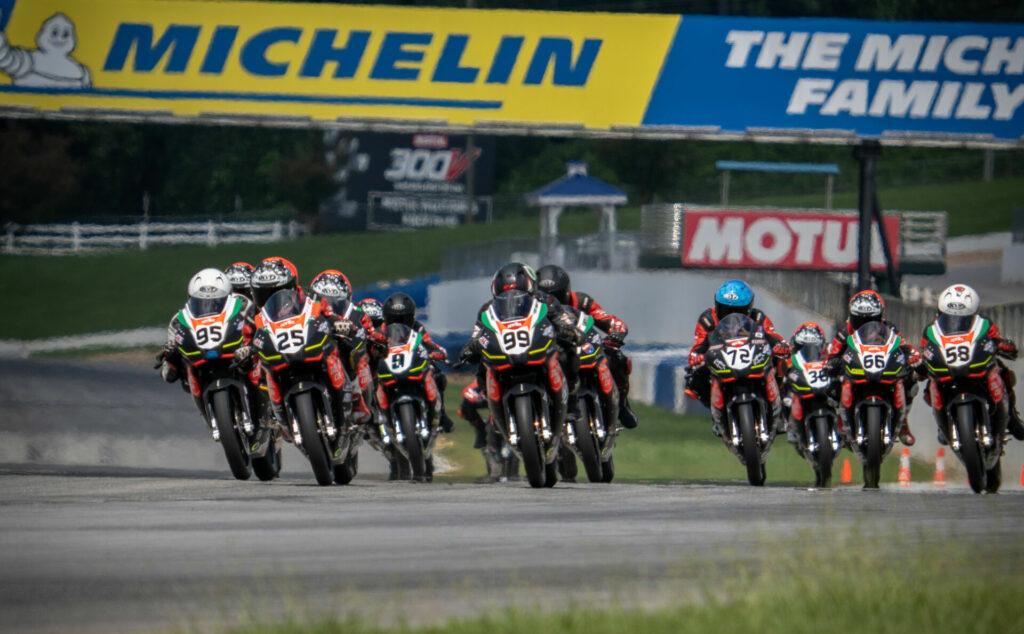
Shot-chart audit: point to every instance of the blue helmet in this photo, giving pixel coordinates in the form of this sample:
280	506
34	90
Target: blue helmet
735	296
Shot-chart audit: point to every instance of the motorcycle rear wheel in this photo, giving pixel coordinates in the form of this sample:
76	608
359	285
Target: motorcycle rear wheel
268	467
873	455
230	436
412	442
312	441
586	442
344	472
823	432
970	453
533	460
751	451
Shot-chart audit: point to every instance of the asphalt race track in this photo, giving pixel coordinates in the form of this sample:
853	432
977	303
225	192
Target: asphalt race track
112	540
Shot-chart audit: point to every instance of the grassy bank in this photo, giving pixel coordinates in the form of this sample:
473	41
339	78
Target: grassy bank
791	590
50	296
667	447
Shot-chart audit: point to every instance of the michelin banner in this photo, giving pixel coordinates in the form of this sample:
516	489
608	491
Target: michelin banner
511	71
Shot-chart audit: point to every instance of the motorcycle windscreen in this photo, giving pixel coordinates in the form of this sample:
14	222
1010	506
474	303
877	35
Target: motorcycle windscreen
339	305
873	333
813	352
200	307
955	324
733	326
512	305
398	334
284	304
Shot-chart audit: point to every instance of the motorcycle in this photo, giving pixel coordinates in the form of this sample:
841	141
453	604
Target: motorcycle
812	412
526	389
745	402
207	334
873	397
591	433
304	372
408	393
967	395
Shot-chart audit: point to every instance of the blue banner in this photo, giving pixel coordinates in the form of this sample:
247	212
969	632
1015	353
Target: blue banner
867	77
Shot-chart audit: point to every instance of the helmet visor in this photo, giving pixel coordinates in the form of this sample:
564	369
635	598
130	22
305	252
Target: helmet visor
511	305
955	324
284	304
205	307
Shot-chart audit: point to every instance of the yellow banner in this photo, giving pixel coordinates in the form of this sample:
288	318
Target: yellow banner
331	62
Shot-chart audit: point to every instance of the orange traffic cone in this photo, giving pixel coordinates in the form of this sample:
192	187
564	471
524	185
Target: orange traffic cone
904	475
1022	475
940	468
846	477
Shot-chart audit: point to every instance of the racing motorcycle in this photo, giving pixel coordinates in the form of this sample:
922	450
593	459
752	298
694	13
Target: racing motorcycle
305	373
745	402
207	334
968	396
408	393
526	389
591	433
812	412
873	397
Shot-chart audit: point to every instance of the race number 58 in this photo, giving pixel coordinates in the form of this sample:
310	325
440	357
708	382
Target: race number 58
957	354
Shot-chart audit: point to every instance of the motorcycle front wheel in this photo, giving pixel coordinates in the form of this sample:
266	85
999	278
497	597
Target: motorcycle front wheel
873	455
970	453
230	436
586	442
533	461
412	442
751	452
312	441
823	431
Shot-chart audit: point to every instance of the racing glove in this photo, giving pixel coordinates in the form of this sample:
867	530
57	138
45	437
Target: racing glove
161	356
468	353
570	334
439	355
617	332
781	350
1007	349
345	328
834	366
244	358
696	360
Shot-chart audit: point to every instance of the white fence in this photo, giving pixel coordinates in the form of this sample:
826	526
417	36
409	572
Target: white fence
77	237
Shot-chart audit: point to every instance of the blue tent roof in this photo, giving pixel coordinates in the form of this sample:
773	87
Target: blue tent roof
577	188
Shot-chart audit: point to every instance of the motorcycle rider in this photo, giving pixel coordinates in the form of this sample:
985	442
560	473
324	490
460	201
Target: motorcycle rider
353	331
867	306
473	400
374	310
240	276
401	309
208	290
555	281
806	334
734	296
960	300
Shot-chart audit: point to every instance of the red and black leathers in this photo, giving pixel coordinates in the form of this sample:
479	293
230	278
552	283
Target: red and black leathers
1006	348
698	380
619	364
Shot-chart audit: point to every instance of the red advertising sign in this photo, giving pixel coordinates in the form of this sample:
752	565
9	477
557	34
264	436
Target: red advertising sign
780	239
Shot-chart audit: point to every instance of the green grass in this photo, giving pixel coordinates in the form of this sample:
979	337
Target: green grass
668	447
974	206
799	588
50	296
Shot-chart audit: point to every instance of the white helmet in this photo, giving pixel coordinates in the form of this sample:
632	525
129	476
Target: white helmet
209	284
959	300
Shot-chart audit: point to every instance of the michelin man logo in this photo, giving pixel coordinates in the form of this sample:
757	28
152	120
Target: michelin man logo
50	65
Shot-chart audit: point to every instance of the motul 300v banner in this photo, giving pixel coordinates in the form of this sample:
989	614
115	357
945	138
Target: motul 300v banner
780	239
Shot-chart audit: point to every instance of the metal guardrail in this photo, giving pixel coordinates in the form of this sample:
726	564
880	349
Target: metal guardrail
75	237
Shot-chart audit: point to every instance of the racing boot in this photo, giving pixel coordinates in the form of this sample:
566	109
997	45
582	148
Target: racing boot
906	437
447	424
627	417
1015	426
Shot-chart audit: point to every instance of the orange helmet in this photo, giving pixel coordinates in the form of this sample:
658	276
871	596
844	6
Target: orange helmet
273	274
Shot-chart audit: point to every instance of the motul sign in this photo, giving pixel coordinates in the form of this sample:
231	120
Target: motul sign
779	239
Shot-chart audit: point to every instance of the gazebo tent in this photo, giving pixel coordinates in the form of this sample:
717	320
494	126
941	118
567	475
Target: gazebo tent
575	188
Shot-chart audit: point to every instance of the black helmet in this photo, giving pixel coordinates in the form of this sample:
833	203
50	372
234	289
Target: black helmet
240	276
514	276
399	308
273	274
553	280
373	309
